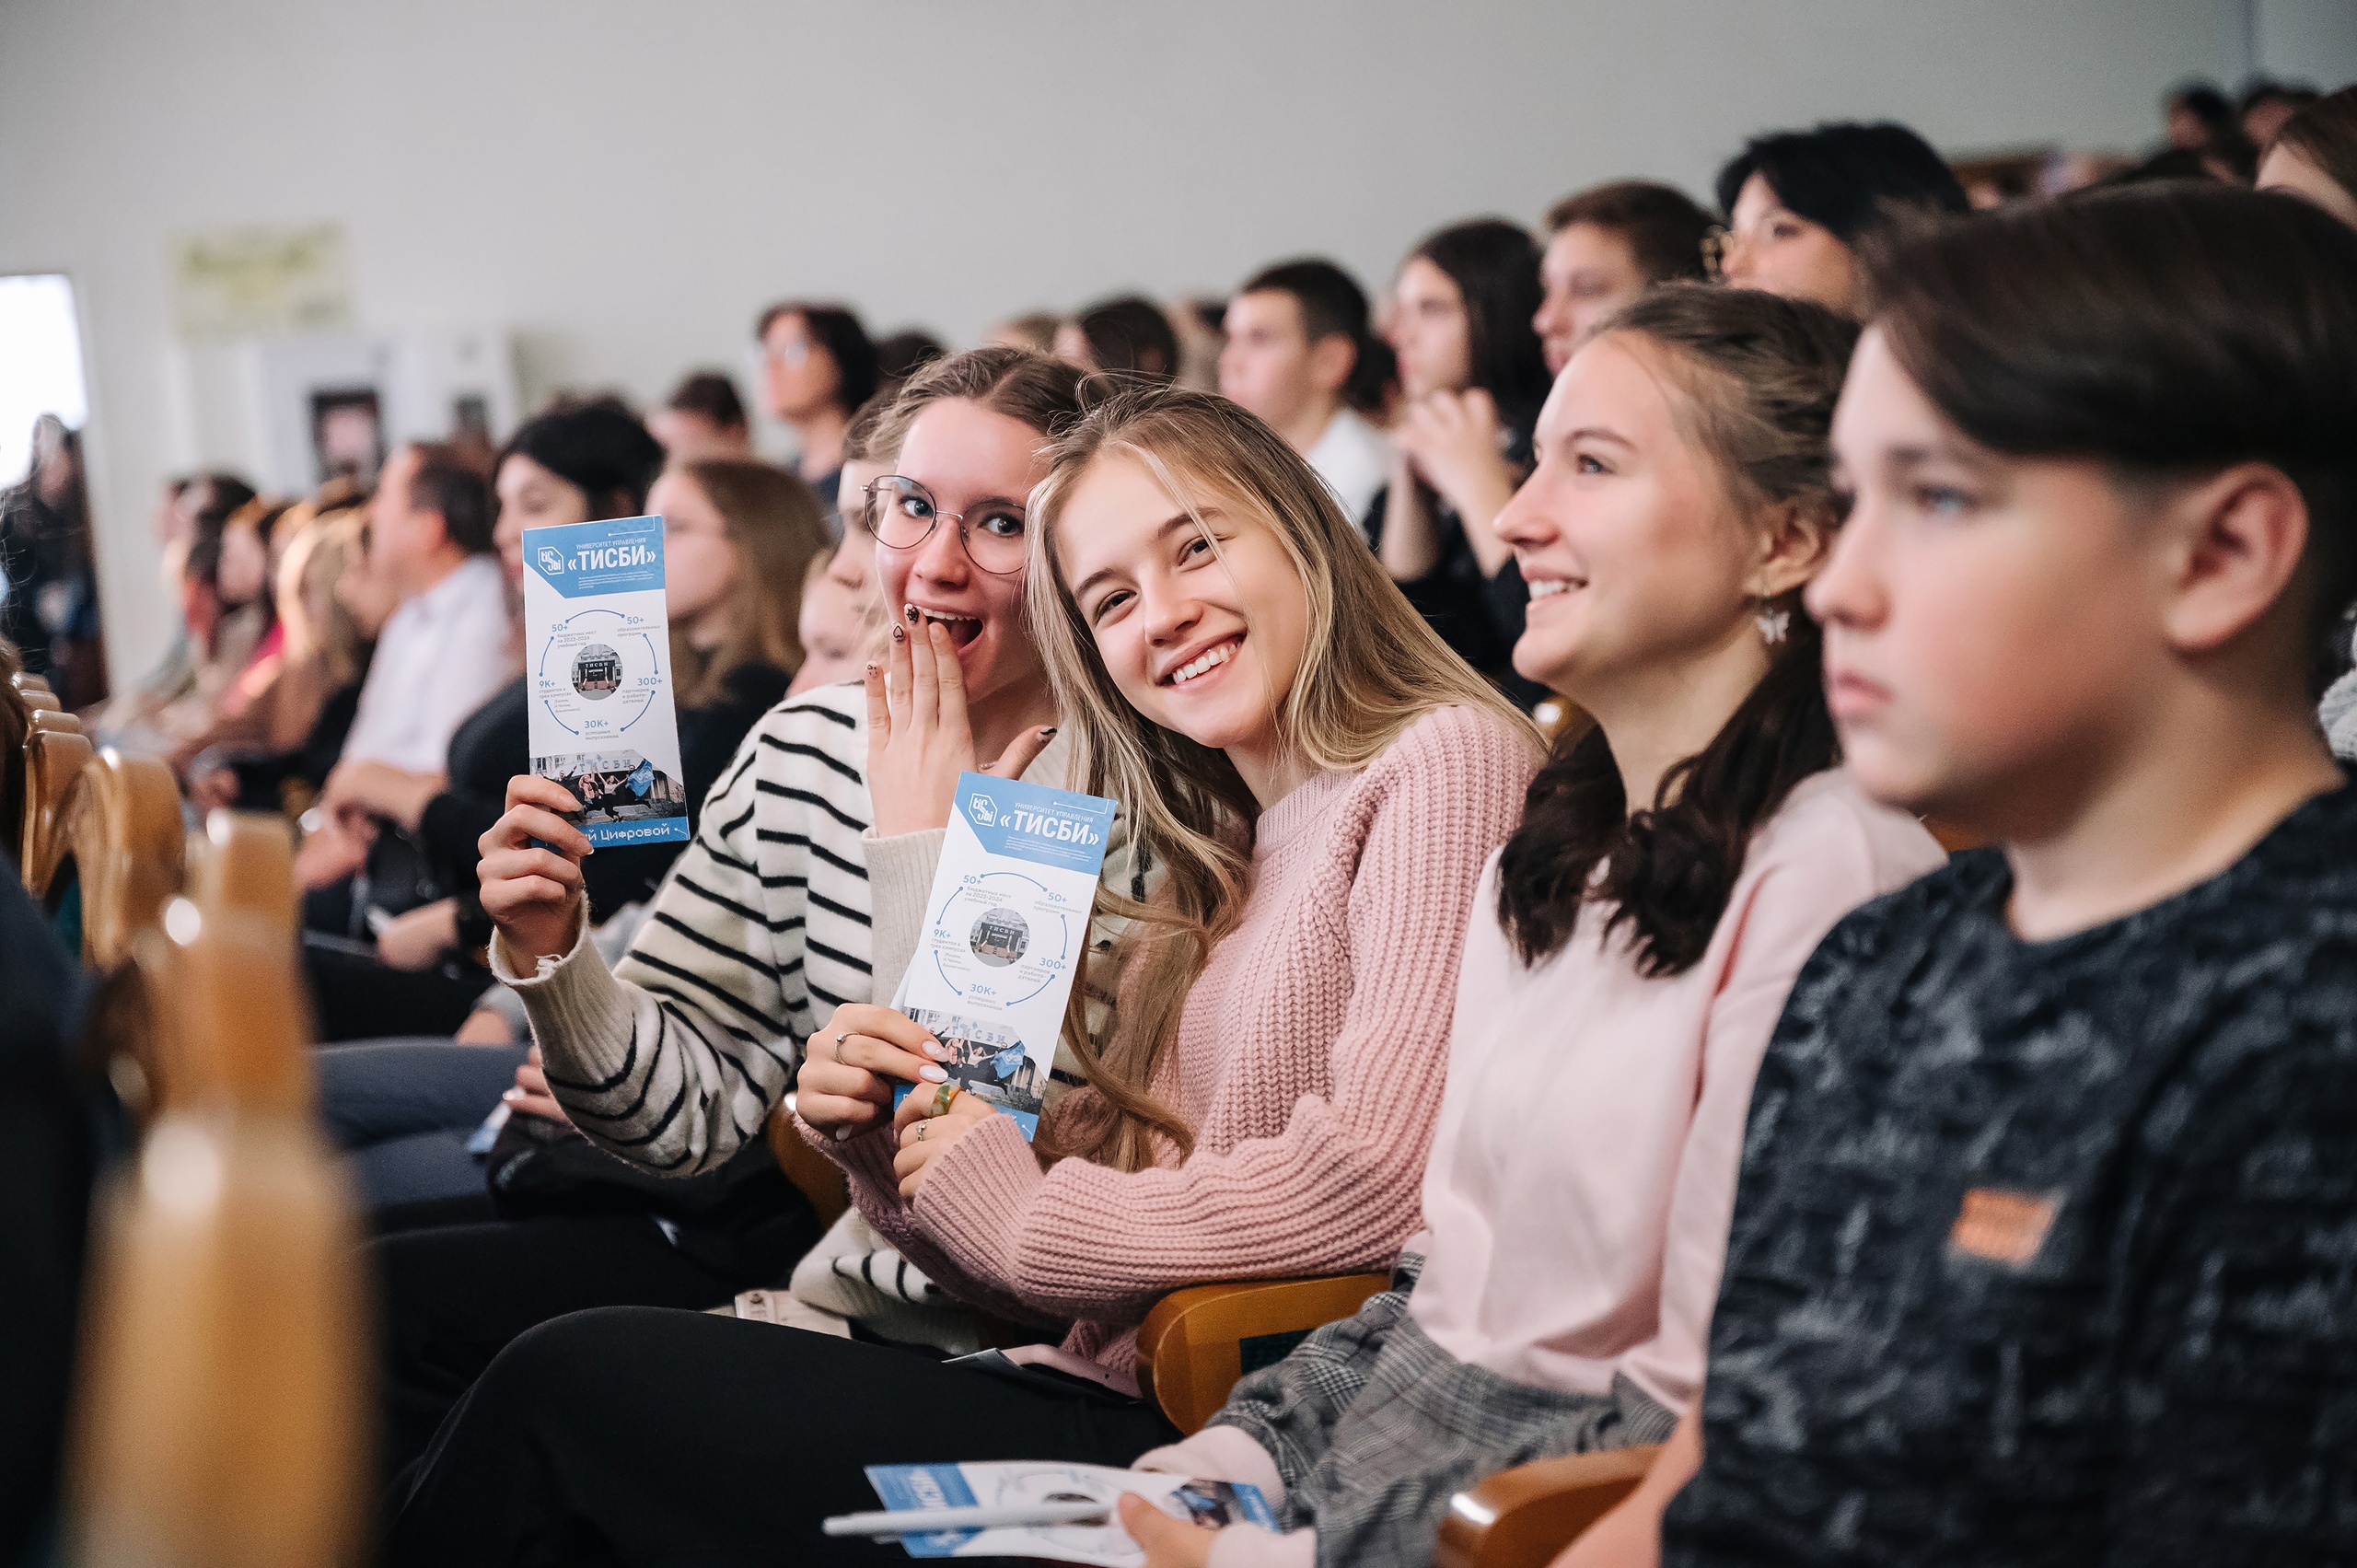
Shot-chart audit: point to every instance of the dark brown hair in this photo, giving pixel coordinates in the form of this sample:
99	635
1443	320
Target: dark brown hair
836	329
1495	265
1130	336
2325	133
449	484
1757	378
1662	226
2167	330
710	395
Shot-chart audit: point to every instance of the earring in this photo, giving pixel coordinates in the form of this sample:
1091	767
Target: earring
1772	624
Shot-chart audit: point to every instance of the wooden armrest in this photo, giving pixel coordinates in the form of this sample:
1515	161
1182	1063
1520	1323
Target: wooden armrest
1197	1343
1522	1517
820	1180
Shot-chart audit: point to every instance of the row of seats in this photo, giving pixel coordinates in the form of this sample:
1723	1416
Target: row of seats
221	1411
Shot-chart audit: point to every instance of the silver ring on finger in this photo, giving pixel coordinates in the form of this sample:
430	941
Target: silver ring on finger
922	1126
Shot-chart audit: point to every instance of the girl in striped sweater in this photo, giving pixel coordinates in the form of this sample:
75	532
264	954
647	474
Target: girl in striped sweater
1320	781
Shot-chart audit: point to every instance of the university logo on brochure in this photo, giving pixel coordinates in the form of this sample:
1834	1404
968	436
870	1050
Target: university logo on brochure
979	806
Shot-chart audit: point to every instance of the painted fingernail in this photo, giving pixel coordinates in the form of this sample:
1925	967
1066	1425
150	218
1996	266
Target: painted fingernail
1049	733
898	636
935	1049
842	1134
910	611
872	667
933	1075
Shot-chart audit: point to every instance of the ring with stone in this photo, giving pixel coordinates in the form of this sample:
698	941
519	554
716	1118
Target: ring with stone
944	1095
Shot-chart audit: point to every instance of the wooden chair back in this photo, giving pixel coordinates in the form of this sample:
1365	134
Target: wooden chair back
1523	1518
122	820
26	679
1197	1343
222	1414
39	699
54	752
245	860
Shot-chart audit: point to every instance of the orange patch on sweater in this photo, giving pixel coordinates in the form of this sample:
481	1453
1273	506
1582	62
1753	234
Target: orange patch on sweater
2004	1227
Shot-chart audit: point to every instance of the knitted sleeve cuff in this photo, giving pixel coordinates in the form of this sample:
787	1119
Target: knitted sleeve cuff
974	1202
899	879
581	1015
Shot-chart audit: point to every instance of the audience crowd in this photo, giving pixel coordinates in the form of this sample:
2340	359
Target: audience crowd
1537	707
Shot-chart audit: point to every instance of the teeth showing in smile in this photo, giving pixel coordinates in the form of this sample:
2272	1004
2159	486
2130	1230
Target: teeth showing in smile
946	619
1202	662
1547	588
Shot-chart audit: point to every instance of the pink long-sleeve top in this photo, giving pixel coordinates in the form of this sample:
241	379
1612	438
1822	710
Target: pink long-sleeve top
1309	1061
1583	1174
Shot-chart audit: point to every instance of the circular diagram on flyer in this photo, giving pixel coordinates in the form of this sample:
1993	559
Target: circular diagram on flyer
597	672
1000	938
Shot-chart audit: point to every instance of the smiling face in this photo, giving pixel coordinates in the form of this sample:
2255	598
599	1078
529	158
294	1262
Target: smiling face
1429	331
1773	249
1202	628
1980	611
1636	557
1588	273
981	464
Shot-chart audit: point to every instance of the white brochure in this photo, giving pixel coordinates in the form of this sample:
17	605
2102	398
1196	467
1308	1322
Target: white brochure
1011	1488
1006	925
598	674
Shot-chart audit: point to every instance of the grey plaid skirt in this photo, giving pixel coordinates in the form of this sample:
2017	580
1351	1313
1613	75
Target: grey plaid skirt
1372	1427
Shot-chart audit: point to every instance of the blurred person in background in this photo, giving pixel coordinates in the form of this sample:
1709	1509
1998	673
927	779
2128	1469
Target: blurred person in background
1605	245
1200	325
817	367
1473	375
1127	335
900	356
703	417
197	505
1035	330
49	600
2315	155
1799	202
1296	334
2265	106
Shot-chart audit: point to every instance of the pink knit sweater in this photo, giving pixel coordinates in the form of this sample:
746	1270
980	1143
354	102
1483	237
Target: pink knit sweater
1309	1061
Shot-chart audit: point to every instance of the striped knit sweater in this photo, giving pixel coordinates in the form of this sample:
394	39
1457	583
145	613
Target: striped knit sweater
768	923
1310	1062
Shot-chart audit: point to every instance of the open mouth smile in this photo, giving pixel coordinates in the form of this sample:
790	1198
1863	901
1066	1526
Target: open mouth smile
1547	588
1204	663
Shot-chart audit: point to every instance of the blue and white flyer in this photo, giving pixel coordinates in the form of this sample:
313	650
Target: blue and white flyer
1212	1504
598	673
1006	925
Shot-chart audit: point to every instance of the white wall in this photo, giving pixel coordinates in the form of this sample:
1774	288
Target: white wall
625	183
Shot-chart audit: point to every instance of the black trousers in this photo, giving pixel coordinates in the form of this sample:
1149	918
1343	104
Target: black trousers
637	1437
453	1296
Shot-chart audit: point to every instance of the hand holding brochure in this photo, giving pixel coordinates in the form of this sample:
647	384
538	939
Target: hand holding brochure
1048	1492
597	672
1007	927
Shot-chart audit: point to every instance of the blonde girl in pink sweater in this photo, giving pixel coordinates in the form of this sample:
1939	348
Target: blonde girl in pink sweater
1630	952
1315	781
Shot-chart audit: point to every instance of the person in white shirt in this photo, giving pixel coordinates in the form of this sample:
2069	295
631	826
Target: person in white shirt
1296	352
446	647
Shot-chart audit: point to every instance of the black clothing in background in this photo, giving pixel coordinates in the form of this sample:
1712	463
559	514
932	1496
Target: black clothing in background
1479	616
638	1435
262	776
49	600
56	1128
2046	1252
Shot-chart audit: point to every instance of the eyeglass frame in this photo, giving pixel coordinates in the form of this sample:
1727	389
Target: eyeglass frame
872	511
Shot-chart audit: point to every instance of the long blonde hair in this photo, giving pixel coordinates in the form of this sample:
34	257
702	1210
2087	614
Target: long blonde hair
1370	669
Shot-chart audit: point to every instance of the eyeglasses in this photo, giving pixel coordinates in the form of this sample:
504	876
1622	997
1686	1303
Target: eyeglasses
792	354
902	514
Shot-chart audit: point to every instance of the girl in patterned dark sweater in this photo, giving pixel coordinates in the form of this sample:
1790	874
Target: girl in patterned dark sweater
2045	1245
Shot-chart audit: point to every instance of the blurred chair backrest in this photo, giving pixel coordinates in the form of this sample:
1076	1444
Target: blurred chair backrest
27	680
16	723
1525	1516
222	1415
245	860
122	822
1197	1341
55	752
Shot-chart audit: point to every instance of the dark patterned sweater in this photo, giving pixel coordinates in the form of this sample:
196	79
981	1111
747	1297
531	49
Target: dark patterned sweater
2046	1252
